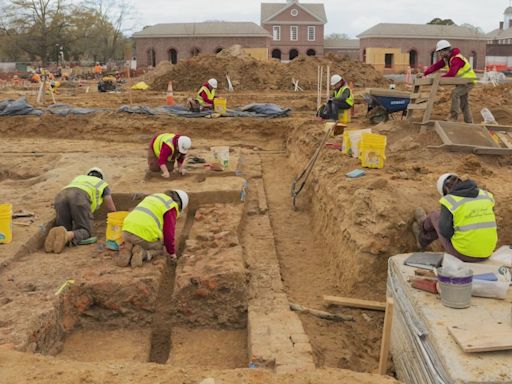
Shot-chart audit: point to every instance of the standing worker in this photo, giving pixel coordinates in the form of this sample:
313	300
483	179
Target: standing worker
465	225
342	97
74	208
457	66
164	150
150	222
204	97
98	70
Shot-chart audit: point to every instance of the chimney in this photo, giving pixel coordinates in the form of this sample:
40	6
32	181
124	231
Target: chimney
501	25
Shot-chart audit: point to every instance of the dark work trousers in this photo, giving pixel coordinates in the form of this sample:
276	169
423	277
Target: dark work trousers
153	162
73	211
336	106
430	232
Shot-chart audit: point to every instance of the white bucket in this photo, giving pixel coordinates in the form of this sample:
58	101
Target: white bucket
221	155
355	138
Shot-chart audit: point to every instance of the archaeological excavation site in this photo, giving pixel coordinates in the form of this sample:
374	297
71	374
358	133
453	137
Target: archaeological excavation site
285	265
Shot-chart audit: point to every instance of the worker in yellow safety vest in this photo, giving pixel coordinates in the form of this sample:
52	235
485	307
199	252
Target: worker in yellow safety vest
206	94
457	66
151	226
465	225
164	150
74	208
340	100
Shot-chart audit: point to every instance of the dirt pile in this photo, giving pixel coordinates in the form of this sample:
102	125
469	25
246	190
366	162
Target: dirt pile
248	73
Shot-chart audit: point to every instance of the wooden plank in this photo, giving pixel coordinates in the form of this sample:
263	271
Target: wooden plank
505	139
420	95
355	303
387	92
422	106
431	98
477	339
443	81
386	333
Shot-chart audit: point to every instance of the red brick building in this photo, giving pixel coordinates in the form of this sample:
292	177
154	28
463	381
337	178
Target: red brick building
342	47
499	44
395	47
296	28
180	41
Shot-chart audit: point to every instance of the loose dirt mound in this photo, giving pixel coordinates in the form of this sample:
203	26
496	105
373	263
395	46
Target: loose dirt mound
247	73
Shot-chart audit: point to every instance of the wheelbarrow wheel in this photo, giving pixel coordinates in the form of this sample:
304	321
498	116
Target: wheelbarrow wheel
378	115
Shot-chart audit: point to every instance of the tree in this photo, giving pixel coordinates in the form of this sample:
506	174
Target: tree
438	21
337	36
35	27
472	28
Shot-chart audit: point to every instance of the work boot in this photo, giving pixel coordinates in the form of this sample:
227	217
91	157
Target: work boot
124	255
59	237
48	243
416	232
420	215
138	256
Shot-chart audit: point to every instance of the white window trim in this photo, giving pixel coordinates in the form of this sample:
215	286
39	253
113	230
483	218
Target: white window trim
278	29
294	12
296	27
313	28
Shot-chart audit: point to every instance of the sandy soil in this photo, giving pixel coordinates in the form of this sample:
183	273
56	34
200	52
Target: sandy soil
337	242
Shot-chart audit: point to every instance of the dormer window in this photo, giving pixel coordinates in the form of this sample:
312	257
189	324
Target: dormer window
294	12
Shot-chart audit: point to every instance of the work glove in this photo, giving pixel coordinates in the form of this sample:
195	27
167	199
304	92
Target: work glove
166	175
182	171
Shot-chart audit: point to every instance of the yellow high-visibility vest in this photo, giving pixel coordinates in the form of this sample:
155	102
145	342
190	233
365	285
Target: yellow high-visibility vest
160	140
94	186
350	98
466	71
474	224
209	94
147	219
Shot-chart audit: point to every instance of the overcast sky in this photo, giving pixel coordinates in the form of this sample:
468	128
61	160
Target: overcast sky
350	17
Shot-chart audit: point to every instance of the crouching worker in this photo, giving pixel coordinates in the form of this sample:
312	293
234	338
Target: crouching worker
166	149
150	222
465	225
74	208
204	97
340	100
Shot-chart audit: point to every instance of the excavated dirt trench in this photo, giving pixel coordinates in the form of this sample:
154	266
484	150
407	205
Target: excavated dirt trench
227	301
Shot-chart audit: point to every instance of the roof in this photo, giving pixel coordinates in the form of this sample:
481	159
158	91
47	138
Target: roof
341	43
499	34
207	28
270	10
421	31
508	11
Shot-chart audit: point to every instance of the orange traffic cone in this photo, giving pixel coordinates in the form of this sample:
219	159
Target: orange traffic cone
170	96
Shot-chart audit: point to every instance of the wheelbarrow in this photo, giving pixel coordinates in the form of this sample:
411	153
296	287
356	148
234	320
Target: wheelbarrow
383	103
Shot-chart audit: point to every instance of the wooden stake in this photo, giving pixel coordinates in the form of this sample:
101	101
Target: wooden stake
328	83
355	303
386	333
129	83
318	97
320	314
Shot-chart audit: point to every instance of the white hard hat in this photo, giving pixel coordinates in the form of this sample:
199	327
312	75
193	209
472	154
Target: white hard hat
184	144
335	79
96	170
213	83
442	44
183	197
442	179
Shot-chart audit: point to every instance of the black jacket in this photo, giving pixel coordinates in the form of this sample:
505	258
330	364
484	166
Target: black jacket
467	188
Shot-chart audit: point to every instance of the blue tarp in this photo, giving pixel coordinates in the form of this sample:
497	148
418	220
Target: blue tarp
64	110
18	107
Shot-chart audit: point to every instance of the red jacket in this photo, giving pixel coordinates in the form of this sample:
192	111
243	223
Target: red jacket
455	64
169	231
203	94
166	151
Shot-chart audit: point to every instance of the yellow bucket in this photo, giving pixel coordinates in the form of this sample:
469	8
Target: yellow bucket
220	105
344	118
115	226
5	223
372	150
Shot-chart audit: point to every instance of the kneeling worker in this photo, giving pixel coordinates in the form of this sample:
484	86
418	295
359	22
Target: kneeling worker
74	208
150	222
204	97
465	225
164	150
342	97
